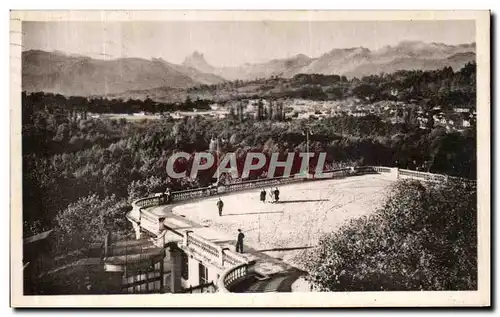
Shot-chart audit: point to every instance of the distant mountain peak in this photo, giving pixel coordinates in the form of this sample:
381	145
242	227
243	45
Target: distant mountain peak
197	61
299	57
410	42
347	51
197	54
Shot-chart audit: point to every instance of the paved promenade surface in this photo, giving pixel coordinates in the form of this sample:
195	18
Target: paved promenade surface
276	233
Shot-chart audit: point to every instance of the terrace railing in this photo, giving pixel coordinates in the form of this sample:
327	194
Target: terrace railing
423	176
203	247
231	259
149	201
231	277
193	193
382	169
263	182
223	257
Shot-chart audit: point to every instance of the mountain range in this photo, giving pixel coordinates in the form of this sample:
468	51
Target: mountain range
351	62
80	75
83	76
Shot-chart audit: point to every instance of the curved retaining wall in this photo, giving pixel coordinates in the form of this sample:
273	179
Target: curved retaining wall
231	277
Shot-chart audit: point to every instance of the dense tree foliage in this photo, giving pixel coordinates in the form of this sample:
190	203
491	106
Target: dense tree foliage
74	105
73	162
90	219
64	160
423	238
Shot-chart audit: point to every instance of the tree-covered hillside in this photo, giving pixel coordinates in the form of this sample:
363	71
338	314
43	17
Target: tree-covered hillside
70	158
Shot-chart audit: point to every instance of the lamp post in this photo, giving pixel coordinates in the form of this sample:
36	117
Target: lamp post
307	132
218	161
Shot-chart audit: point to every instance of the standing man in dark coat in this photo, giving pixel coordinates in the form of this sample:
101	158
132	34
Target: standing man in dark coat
220	205
263	196
239	242
276	195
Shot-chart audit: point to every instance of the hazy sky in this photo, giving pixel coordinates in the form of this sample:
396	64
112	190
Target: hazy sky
233	43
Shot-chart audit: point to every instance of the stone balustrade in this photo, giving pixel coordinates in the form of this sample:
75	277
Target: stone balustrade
232	258
149	202
193	193
423	176
382	169
231	277
263	182
207	248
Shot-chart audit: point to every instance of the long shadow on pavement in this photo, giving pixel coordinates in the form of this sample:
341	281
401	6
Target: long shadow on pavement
286	249
253	213
300	201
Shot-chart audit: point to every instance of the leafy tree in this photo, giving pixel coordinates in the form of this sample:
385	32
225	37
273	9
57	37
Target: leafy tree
138	189
90	218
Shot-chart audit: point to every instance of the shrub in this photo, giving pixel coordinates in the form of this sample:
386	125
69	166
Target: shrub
139	189
89	219
423	238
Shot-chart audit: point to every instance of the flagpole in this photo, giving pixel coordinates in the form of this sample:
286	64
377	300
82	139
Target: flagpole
217	163
306	132
307	141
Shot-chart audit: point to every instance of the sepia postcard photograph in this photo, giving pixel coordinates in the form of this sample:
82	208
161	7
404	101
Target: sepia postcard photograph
250	158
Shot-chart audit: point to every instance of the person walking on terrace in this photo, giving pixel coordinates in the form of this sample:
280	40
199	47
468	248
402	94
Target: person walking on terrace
220	205
263	195
271	195
239	242
167	196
